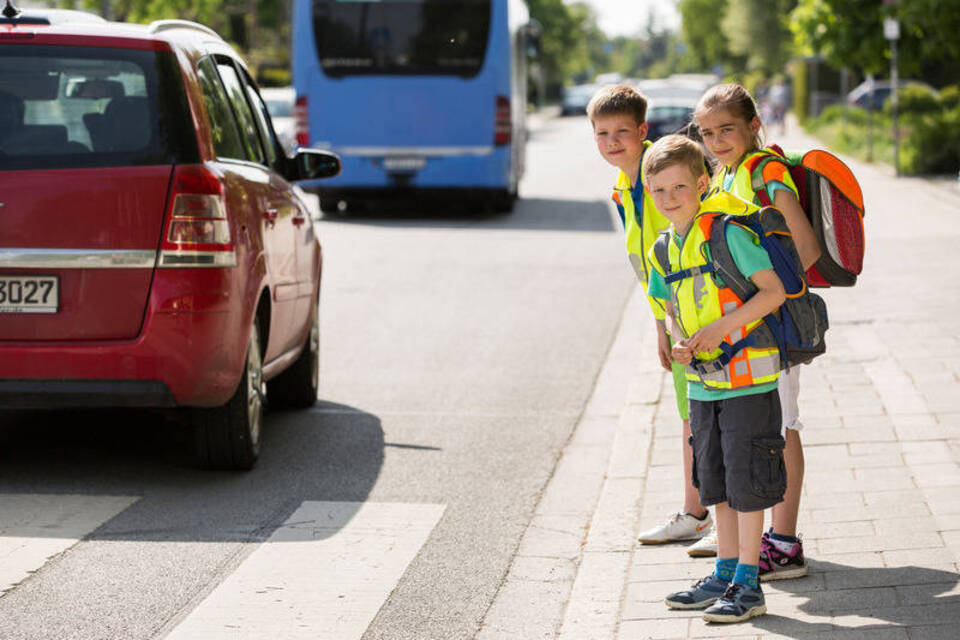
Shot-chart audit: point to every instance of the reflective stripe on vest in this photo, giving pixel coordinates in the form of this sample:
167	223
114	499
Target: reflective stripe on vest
641	226
698	301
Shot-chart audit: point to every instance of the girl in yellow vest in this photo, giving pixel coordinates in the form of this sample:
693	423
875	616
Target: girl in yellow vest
727	118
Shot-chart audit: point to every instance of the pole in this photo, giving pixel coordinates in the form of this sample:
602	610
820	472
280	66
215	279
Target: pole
895	106
891	31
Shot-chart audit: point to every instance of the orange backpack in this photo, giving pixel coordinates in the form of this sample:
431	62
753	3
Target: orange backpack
831	197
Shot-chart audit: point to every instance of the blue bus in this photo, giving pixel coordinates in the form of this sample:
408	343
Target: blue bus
418	97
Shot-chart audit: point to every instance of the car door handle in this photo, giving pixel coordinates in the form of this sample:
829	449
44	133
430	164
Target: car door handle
270	215
298	219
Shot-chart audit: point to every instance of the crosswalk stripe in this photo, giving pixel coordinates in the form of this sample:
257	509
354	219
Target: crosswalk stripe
323	574
36	527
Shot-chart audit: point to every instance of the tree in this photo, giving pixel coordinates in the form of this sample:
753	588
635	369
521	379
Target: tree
757	32
850	32
705	42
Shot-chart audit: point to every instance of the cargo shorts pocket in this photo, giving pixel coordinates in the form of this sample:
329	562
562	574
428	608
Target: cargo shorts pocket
768	473
693	467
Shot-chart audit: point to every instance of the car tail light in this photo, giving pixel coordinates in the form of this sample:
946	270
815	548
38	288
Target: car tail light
197	233
503	126
301	121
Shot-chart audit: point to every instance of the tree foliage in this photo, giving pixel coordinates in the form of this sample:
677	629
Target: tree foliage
757	32
707	46
850	32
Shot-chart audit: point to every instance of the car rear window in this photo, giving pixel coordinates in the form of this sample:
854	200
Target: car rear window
78	107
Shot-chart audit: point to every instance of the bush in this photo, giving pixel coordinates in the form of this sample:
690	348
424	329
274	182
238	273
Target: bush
950	98
914	100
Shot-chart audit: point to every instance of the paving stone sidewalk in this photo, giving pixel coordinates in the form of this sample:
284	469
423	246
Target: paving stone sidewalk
880	513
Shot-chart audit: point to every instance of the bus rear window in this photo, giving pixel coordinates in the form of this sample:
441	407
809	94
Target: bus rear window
387	37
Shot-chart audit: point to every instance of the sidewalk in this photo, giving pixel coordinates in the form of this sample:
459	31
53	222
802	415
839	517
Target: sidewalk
880	514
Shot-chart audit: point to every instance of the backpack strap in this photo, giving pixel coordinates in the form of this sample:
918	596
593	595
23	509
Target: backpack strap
756	167
722	259
661	251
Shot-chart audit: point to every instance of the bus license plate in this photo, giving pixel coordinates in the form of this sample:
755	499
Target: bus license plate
29	294
404	163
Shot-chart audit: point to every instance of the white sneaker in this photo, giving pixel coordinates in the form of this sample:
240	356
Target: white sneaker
705	547
679	526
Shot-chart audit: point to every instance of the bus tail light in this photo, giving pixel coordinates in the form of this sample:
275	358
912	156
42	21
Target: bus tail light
503	126
197	232
301	121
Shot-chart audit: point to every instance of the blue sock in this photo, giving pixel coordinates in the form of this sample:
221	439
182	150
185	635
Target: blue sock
782	538
747	574
725	568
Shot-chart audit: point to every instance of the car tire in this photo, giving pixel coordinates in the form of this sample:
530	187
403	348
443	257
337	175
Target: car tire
503	201
228	437
296	388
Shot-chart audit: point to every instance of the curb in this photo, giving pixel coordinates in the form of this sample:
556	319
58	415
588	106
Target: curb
569	575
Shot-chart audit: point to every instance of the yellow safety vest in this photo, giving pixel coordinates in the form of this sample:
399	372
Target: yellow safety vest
698	301
641	228
742	180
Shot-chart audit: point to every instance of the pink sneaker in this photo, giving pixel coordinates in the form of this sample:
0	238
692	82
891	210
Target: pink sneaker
777	564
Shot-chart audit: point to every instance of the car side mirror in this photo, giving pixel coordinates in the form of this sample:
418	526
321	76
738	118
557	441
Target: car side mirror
311	164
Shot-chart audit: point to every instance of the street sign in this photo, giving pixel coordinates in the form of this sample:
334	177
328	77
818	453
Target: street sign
891	28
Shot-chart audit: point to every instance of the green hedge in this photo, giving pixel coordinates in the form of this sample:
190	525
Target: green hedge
929	131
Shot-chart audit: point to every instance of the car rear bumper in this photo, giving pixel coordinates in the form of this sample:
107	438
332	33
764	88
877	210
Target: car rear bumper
190	352
81	394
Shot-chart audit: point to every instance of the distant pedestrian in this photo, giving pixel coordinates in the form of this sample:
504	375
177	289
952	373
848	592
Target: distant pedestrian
734	406
618	116
727	118
779	98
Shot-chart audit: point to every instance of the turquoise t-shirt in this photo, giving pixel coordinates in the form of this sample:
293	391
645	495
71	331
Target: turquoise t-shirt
749	257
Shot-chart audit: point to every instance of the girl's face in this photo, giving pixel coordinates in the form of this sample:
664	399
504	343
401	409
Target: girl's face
726	136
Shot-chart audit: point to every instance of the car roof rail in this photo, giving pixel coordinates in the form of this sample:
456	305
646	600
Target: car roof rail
165	25
12	15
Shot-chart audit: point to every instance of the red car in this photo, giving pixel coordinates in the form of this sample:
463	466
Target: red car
153	249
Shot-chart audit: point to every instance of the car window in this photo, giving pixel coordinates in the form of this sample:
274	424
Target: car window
262	114
223	125
63	107
249	135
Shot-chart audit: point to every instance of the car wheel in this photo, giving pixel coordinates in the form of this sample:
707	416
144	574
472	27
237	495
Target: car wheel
228	437
503	201
296	388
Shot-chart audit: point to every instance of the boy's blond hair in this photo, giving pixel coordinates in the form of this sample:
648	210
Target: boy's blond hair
671	150
618	99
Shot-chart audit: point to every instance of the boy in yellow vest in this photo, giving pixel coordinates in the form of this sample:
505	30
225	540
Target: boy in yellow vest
734	407
618	116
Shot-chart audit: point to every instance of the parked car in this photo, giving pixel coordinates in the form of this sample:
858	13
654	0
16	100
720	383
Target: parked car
873	98
153	251
576	99
665	116
280	102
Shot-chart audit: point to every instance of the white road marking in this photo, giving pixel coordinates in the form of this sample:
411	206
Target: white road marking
36	527
323	574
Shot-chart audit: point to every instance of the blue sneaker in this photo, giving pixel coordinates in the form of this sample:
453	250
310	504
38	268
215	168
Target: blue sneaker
737	604
701	595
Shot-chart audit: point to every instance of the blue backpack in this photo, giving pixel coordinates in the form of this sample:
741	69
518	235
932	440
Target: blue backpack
798	326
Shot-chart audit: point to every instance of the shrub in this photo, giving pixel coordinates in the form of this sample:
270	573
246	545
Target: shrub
950	97
914	100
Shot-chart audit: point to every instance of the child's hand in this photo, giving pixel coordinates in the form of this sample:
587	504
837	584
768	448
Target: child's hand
706	339
682	354
663	349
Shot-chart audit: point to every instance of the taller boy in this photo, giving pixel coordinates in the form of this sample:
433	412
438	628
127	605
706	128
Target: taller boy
618	115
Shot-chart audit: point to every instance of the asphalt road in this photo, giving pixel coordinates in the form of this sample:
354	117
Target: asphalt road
458	351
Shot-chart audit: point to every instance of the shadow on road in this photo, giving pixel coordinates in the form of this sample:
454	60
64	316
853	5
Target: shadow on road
331	453
538	214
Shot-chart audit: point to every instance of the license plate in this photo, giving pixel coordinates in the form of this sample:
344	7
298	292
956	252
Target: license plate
29	294
404	163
